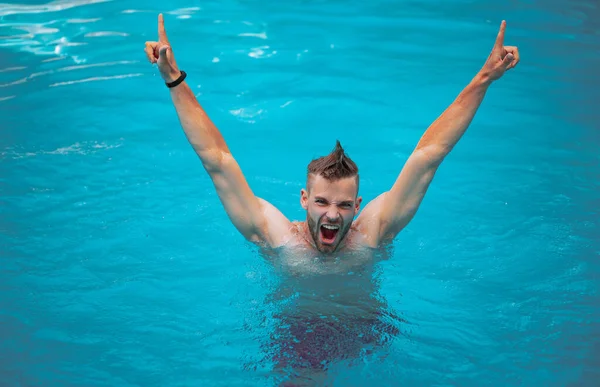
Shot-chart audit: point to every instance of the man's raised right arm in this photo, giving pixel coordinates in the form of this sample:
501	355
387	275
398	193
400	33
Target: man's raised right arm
257	220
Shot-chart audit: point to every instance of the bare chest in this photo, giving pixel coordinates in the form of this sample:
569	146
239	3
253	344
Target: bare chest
299	256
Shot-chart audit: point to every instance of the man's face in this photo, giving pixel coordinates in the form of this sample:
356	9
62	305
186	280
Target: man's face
330	209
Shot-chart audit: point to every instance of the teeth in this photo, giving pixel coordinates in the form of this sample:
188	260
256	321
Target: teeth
331	226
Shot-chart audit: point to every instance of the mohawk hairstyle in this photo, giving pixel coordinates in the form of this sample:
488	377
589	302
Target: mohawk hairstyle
336	165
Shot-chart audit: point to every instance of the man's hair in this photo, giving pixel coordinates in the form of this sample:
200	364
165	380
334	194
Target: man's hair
336	165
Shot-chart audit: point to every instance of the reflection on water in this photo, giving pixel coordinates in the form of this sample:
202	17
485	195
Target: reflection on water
326	311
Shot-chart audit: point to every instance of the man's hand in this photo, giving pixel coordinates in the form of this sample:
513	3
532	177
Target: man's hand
501	59
160	52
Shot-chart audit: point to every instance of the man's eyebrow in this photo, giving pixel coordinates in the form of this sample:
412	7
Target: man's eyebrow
341	202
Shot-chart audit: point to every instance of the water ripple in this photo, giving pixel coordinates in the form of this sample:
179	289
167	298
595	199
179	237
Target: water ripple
104	33
53	6
82	21
67	68
109	219
83	148
93	79
181	13
12	69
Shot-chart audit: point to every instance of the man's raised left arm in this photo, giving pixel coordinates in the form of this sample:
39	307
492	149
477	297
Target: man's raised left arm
391	211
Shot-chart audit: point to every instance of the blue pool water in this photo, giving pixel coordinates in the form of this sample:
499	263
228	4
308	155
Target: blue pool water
118	267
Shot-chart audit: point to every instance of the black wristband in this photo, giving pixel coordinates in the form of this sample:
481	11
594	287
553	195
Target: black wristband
177	81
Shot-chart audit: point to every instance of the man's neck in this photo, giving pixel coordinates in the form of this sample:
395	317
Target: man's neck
306	235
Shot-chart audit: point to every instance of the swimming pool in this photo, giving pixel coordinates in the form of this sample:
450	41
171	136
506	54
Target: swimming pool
120	268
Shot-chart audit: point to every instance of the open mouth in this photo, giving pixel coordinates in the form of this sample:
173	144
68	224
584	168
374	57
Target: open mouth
329	233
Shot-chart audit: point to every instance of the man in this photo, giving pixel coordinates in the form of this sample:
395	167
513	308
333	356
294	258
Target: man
331	202
331	196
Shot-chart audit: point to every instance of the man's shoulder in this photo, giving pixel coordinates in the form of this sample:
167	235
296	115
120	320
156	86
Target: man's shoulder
275	227
282	232
363	233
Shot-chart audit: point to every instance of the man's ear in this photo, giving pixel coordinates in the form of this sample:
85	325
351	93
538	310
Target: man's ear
304	198
357	205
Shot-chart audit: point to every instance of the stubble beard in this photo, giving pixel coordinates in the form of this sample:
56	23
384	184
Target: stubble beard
315	232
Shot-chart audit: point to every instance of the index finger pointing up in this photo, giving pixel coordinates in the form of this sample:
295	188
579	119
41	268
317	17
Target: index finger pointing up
162	34
500	38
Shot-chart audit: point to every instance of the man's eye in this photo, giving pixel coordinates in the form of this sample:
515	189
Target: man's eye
320	201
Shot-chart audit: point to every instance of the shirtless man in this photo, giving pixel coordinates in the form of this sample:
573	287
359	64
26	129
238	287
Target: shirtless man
331	197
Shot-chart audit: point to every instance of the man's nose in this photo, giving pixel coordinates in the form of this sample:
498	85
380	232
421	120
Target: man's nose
332	214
